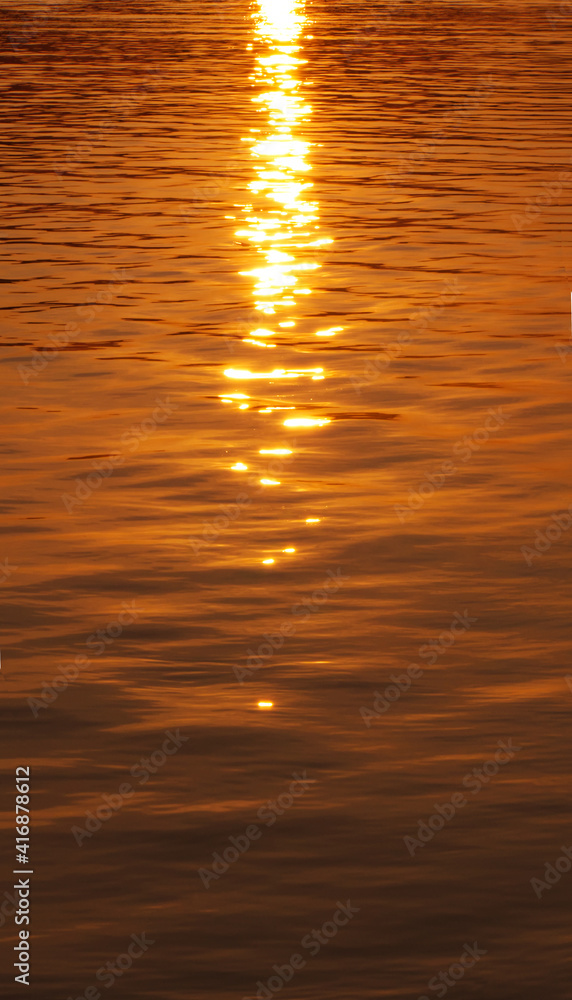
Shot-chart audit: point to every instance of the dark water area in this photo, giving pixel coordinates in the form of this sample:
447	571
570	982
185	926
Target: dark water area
286	361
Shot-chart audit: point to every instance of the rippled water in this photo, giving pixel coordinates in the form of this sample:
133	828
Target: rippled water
222	218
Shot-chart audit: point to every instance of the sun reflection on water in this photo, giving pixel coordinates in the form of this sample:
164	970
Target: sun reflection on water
284	221
279	224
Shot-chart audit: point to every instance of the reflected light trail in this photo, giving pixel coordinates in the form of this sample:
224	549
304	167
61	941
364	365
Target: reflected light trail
281	221
306	422
277	373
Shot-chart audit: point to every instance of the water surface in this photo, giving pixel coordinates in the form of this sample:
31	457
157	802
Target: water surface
233	229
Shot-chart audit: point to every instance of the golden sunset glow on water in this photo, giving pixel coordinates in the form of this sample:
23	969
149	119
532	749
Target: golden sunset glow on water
286	221
286	354
282	220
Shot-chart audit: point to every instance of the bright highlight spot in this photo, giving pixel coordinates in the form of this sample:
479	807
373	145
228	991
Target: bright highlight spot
277	373
288	550
281	224
265	704
270	482
306	422
274	451
239	467
312	520
267	562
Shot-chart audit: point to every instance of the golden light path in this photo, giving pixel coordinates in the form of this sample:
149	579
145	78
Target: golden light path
280	222
285	221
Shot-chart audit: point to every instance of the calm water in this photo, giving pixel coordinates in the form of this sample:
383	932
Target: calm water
295	227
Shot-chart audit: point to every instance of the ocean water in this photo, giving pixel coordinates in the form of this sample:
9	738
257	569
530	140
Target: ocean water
286	361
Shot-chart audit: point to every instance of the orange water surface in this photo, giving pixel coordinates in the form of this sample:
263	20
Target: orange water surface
286	383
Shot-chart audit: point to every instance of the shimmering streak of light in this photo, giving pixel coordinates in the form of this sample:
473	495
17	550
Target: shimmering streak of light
267	562
276	274
266	704
312	520
274	451
240	373
239	467
270	482
306	422
283	233
288	550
